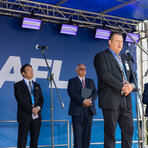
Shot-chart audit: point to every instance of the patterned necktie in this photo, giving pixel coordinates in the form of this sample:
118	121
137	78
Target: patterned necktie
121	67
30	86
31	92
83	83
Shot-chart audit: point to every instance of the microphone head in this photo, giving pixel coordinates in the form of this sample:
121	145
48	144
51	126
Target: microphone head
45	47
40	47
127	51
37	46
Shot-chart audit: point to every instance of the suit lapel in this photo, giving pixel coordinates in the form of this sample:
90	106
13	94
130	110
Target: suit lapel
79	82
27	90
86	83
34	92
25	87
123	61
113	58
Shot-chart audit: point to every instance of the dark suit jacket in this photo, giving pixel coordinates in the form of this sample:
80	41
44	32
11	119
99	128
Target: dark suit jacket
76	100
145	98
22	95
110	79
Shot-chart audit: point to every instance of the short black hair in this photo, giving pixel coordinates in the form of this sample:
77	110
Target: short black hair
23	67
115	33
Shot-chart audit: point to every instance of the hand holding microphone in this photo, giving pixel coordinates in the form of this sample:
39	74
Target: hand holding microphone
127	89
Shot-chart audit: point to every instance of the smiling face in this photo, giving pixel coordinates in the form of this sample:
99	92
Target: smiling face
28	73
81	70
116	43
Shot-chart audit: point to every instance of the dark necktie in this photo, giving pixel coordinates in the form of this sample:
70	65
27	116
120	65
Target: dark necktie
31	92
30	86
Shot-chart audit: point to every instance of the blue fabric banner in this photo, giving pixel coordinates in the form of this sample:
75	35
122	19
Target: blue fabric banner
63	54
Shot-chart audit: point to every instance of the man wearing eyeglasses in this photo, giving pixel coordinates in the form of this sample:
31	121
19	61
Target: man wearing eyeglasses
82	108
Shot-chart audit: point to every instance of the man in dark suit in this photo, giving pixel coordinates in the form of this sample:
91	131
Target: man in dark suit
81	109
145	98
115	83
30	102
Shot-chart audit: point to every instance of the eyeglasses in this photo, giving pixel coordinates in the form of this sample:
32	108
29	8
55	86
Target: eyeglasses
82	68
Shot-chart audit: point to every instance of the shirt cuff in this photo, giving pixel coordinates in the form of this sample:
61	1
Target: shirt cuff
84	101
133	85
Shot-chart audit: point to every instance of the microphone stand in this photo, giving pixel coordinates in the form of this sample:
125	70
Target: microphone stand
51	79
137	93
137	109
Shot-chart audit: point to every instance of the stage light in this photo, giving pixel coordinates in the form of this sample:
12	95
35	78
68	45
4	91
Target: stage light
134	36
102	34
69	29
31	23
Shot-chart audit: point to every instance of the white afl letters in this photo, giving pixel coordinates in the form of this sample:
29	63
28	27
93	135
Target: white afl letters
11	70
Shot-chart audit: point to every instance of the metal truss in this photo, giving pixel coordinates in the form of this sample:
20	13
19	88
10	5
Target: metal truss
57	14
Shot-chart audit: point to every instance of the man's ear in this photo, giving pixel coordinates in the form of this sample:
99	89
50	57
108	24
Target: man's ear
109	42
23	74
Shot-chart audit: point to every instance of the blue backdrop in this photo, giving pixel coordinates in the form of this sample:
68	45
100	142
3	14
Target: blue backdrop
63	54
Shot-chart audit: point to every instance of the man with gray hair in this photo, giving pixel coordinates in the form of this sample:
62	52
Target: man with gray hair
82	93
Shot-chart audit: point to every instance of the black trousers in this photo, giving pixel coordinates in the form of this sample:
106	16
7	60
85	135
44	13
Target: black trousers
82	128
124	117
24	127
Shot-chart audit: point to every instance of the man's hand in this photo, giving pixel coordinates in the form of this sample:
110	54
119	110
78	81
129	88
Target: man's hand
35	110
87	102
127	88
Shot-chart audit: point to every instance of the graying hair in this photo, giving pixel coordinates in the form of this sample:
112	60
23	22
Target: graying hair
77	67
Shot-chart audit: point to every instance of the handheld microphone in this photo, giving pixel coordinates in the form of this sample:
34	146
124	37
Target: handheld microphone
129	56
40	47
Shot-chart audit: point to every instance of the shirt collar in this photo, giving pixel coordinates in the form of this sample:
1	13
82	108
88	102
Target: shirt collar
27	81
81	78
113	51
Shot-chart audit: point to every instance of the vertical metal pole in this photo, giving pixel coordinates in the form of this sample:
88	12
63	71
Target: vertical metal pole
52	132
68	133
51	79
138	127
139	97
